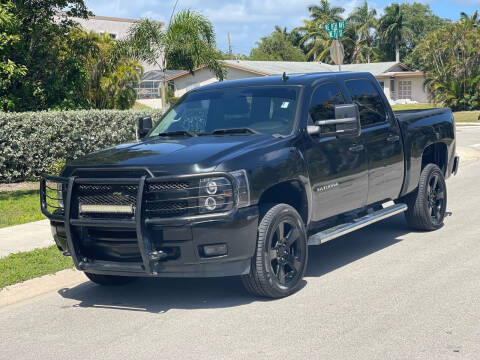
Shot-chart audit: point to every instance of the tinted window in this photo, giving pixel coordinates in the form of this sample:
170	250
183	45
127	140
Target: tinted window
266	109
323	102
369	102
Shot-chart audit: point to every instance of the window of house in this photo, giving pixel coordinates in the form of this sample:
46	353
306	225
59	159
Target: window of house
382	84
405	89
370	104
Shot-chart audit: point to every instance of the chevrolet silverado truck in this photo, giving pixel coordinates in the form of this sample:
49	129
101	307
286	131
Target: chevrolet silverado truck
238	178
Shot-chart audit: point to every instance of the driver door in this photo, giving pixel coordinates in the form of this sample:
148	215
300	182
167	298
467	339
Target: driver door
337	165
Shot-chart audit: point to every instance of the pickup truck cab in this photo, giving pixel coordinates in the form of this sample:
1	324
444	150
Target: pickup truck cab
239	177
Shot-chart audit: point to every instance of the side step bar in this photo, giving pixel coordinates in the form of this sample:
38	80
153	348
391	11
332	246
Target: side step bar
342	229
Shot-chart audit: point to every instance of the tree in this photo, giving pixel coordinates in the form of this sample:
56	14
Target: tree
42	34
315	41
187	43
473	20
111	76
450	60
325	12
276	47
392	28
363	20
9	70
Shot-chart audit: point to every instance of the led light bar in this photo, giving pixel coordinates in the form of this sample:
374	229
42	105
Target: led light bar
108	209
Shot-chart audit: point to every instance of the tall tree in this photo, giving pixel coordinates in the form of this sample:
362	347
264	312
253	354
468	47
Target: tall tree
187	43
473	20
315	41
450	60
52	61
276	47
392	28
364	20
325	12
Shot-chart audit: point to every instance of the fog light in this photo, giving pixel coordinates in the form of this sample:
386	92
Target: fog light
210	204
214	250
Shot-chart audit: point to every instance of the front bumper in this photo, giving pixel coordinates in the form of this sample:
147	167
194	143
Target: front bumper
145	246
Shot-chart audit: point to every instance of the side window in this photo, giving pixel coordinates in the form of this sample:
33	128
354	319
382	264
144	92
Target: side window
323	103
370	104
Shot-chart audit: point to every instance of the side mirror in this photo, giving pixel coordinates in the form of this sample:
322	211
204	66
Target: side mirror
345	124
145	124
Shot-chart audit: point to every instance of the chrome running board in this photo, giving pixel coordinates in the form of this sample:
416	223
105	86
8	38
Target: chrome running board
342	229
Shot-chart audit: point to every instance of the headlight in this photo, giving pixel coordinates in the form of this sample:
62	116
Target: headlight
216	194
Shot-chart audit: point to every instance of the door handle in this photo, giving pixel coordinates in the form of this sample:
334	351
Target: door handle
393	138
356	148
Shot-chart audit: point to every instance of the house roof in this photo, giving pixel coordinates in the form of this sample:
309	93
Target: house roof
157	74
266	68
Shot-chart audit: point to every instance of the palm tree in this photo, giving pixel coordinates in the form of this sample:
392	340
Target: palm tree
315	39
392	28
188	41
473	20
325	12
365	21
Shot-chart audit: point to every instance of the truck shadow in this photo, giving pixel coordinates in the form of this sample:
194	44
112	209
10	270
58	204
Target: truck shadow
162	294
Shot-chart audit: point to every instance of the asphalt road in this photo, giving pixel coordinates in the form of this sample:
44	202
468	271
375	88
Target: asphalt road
382	292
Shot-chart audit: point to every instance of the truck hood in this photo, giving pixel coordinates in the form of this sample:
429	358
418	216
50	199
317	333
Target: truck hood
175	154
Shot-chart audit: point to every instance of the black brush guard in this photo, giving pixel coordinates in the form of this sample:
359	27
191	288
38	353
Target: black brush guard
150	257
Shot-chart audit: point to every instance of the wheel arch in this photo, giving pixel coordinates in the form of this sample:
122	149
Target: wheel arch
436	153
291	192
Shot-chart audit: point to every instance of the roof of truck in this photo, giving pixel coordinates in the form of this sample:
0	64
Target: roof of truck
292	79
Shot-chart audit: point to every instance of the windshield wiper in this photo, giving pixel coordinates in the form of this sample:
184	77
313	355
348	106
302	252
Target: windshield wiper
235	131
177	133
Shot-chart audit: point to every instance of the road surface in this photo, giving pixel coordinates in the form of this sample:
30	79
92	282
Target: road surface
382	292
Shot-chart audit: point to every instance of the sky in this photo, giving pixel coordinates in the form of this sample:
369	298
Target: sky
249	20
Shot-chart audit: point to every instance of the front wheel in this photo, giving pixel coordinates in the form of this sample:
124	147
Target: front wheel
109	280
428	204
280	259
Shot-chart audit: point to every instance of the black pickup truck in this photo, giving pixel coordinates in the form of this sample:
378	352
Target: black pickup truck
239	177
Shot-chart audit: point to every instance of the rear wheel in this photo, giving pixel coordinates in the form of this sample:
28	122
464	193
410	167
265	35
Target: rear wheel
109	280
427	205
280	260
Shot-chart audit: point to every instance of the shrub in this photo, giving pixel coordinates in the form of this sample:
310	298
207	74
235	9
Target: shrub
35	142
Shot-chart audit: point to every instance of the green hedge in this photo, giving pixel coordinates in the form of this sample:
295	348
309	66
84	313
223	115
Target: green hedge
33	142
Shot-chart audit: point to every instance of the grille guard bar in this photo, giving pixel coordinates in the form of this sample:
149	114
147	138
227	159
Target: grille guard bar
140	223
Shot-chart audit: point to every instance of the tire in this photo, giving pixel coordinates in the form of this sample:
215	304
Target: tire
109	280
427	205
281	256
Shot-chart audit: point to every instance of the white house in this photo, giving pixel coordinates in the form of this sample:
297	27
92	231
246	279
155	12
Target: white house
399	82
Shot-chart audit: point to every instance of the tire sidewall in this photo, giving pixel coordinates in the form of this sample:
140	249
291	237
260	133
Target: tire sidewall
431	171
282	213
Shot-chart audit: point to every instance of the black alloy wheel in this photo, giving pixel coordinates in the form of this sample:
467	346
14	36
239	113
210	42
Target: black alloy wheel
436	199
428	204
281	256
286	254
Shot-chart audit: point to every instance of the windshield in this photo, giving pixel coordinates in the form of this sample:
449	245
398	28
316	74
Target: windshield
265	109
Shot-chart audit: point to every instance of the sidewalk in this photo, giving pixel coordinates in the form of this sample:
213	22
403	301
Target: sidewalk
26	237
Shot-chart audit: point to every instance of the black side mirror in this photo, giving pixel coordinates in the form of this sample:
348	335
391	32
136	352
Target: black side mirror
145	124
345	124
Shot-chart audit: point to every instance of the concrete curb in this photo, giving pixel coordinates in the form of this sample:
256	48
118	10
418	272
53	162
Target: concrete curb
30	289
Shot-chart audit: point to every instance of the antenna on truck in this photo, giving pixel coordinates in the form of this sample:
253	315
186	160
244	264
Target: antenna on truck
284	76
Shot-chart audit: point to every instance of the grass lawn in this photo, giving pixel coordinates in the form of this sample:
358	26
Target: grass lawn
139	106
28	265
460	116
19	207
412	106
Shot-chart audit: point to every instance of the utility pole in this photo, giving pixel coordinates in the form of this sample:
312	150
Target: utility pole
230	54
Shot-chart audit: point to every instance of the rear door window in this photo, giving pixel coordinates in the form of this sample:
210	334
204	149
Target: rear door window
370	104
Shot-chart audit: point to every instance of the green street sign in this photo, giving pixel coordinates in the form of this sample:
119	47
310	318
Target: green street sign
334	27
333	34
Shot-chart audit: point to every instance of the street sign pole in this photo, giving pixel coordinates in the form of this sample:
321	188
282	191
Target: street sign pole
338	53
